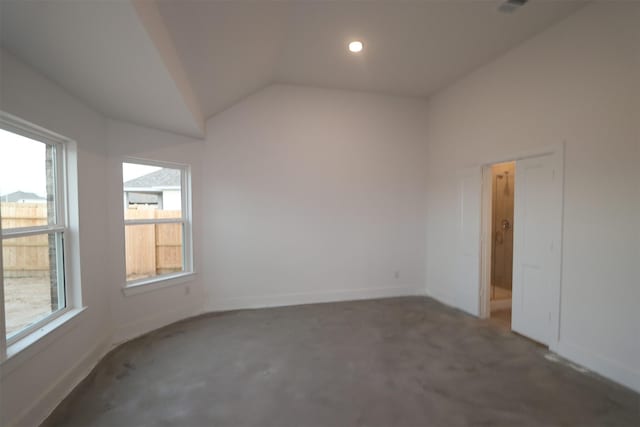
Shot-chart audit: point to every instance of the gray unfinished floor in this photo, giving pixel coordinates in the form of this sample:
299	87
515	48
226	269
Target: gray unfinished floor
392	362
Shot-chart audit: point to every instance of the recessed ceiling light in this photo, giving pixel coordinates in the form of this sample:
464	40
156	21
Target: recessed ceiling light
356	46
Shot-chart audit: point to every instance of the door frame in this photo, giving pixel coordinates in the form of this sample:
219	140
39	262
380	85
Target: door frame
557	151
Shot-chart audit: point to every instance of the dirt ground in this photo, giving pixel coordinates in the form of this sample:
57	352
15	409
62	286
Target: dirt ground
26	301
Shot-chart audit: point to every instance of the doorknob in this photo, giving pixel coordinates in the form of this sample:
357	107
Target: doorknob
506	225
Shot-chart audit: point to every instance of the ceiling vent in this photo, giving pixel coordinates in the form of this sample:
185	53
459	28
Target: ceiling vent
511	6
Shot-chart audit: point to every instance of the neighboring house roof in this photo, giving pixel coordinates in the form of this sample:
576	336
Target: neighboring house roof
16	196
162	178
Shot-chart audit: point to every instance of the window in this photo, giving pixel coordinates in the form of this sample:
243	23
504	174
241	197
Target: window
157	221
33	228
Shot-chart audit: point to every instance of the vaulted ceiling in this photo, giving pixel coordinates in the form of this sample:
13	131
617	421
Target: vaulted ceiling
230	49
102	52
170	64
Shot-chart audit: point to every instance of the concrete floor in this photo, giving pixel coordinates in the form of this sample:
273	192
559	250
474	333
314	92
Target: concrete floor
502	317
391	362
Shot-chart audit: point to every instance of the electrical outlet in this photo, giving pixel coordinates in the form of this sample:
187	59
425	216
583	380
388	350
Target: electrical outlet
187	290
396	274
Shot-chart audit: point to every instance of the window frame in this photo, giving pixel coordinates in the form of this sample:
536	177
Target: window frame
131	287
60	228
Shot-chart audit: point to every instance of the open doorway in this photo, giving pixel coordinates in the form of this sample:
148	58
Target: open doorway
521	243
502	216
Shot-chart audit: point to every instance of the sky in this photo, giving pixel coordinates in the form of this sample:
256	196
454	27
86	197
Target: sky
22	165
131	171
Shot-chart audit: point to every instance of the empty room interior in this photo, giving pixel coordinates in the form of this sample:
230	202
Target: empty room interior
320	213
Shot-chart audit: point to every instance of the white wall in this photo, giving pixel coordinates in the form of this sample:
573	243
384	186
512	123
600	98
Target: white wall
575	83
320	199
313	195
33	382
304	195
137	314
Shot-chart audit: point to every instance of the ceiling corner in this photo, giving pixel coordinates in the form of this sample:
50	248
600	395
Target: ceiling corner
154	25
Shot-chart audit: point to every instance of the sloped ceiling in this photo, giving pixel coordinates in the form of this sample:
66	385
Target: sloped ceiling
101	52
412	48
168	64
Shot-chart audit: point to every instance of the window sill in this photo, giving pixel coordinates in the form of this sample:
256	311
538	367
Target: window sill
157	283
35	342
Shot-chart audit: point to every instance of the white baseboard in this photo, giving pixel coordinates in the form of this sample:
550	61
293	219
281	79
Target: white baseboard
44	404
140	327
611	369
444	299
49	399
281	300
131	330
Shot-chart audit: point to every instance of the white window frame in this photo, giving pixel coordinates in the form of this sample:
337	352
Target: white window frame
60	228
132	287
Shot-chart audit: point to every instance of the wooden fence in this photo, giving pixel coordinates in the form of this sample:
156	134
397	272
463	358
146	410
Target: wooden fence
151	249
25	256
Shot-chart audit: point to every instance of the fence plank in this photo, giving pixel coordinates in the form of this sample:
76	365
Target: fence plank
24	256
157	249
150	249
140	250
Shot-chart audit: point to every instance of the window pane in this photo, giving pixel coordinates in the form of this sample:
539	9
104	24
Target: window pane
153	250
151	191
33	279
27	181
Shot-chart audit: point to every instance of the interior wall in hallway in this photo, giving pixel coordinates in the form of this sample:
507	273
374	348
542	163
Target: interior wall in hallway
574	84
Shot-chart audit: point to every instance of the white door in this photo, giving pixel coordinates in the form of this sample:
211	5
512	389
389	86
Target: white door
537	216
467	292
